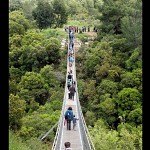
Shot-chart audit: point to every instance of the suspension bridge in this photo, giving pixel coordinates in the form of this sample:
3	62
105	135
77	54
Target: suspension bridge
80	138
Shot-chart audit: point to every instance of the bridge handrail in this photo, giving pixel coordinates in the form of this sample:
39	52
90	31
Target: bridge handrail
60	124
82	120
46	134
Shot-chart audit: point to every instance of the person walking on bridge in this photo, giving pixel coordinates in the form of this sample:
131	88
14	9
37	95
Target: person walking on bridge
69	76
74	121
71	36
72	91
69	117
67	146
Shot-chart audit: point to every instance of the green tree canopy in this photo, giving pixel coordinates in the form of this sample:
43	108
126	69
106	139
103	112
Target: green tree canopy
60	13
31	87
49	76
131	23
135	78
128	100
134	60
43	14
18	24
53	51
107	86
15	5
40	121
16	111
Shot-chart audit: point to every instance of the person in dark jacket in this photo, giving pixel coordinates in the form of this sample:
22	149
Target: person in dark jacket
72	91
69	75
69	117
71	36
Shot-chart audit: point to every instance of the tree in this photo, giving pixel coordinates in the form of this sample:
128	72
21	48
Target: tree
60	13
72	7
128	100
41	120
15	42
14	78
125	138
135	78
33	58
43	14
98	60
106	109
28	7
15	28
16	111
131	23
12	87
14	56
107	86
90	118
111	17
15	5
18	24
90	63
135	117
90	4
31	87
114	73
135	60
102	137
49	77
33	54
53	51
32	37
130	137
89	94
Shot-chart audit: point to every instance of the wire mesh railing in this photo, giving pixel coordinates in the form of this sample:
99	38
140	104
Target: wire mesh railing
85	135
57	139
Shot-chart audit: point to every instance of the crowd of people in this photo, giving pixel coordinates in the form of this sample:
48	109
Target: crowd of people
69	116
76	29
70	81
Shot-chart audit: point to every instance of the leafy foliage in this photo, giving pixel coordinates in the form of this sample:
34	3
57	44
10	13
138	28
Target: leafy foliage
60	13
32	86
15	142
18	24
128	100
111	139
134	61
16	111
131	24
15	5
43	14
35	124
107	86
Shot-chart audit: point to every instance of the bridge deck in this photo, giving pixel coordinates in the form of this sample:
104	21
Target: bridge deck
72	136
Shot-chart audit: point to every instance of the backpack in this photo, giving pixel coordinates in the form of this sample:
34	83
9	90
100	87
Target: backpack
68	116
69	76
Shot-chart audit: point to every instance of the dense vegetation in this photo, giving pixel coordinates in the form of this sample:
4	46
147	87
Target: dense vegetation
109	70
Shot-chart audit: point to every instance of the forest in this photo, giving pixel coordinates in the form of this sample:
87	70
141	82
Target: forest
109	70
